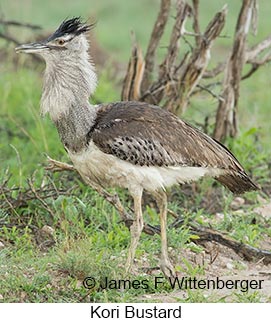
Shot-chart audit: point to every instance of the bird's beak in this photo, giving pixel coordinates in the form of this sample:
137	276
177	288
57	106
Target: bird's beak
33	48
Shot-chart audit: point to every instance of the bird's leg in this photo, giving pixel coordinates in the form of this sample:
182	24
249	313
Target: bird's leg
166	266
135	230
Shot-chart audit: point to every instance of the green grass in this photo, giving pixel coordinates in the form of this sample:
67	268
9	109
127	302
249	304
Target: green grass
88	239
88	243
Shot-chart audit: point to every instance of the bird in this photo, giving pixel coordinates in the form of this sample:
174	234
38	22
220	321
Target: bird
127	144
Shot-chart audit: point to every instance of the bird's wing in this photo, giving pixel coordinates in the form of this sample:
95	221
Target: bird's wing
144	134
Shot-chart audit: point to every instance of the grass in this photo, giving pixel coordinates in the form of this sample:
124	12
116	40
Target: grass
87	245
87	239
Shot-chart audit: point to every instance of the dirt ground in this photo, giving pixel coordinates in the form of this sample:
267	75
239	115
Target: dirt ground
224	263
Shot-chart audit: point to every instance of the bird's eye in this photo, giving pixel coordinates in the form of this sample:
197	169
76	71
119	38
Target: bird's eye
61	42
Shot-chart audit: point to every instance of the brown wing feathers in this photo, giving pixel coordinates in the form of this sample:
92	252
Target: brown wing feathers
143	134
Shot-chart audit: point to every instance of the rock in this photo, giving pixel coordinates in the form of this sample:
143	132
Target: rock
2	246
237	203
230	265
219	217
45	237
48	230
264	210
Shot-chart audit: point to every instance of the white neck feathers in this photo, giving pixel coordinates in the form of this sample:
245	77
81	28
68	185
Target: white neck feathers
69	80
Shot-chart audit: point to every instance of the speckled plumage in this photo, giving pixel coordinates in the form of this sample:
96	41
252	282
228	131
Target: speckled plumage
146	135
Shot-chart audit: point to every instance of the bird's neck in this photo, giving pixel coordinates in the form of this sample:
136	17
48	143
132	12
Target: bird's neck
68	84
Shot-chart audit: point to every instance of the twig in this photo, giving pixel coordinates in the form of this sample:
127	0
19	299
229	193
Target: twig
131	88
156	35
40	199
256	65
196	26
18	24
254	68
254	52
205	88
11	206
167	69
226	117
194	69
19	161
9	38
12	39
9	201
206	234
215	71
255	15
183	11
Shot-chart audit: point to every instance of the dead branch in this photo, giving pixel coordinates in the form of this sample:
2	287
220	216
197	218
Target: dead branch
215	71
194	69
254	19
131	89
13	198
256	64
9	38
226	119
156	35
183	10
175	81
167	70
196	25
245	251
7	23
251	57
207	89
41	199
257	49
18	24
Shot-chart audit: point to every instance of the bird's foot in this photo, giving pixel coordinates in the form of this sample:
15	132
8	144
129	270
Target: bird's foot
130	268
167	269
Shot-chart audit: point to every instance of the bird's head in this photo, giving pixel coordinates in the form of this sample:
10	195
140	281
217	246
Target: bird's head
68	39
69	76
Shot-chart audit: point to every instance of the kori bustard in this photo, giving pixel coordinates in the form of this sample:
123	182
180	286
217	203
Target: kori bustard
133	145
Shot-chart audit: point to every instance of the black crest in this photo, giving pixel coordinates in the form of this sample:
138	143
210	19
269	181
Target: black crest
73	26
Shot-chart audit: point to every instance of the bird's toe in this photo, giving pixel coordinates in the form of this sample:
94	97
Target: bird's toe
168	269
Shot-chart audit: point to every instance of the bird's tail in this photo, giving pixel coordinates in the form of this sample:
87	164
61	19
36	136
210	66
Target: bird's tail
237	182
